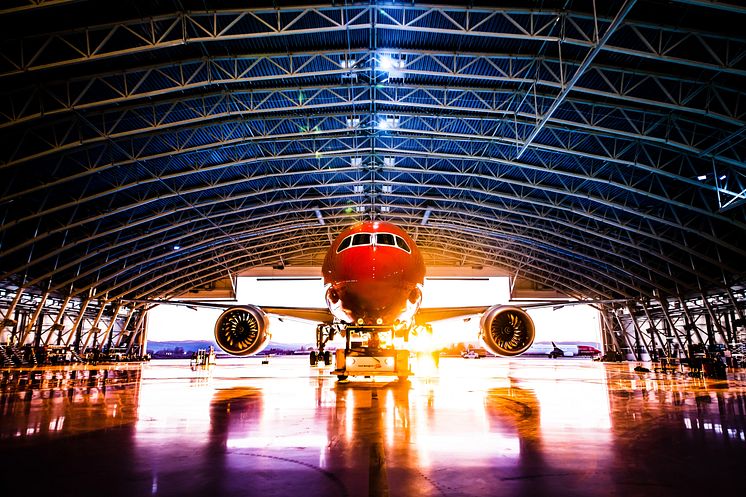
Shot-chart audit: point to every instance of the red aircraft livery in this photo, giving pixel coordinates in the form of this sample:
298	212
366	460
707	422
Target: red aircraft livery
373	274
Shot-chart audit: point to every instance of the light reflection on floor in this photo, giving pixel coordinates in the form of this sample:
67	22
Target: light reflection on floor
470	427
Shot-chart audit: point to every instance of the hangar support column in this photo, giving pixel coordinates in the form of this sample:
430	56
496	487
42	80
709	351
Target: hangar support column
78	321
7	321
112	323
34	317
57	326
699	322
94	329
610	343
137	335
653	330
640	334
714	318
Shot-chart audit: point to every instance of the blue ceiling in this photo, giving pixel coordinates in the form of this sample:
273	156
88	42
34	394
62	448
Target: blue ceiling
152	147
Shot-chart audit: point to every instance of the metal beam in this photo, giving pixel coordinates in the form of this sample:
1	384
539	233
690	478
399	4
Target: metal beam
578	73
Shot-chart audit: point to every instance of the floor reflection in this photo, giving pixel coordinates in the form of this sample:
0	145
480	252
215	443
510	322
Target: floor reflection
66	401
490	427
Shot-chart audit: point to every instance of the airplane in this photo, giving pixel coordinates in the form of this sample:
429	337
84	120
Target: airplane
373	275
553	350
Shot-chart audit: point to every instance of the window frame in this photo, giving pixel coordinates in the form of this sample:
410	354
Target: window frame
371	239
399	242
402	244
393	237
341	246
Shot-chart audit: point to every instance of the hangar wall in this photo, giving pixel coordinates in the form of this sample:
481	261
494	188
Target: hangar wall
677	328
93	328
43	328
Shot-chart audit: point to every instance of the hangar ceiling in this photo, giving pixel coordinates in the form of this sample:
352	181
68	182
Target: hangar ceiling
153	147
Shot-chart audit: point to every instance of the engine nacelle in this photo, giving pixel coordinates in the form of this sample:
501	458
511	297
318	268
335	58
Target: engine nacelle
507	331
242	330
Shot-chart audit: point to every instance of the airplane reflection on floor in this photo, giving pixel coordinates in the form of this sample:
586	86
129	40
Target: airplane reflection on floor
487	427
65	401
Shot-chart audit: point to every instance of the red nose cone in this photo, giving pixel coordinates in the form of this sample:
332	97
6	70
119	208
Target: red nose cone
374	275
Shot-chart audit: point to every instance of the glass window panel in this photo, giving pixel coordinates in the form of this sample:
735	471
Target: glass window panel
345	244
360	239
402	244
385	239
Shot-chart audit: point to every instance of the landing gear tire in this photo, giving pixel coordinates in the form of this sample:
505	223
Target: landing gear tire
313	358
341	377
327	358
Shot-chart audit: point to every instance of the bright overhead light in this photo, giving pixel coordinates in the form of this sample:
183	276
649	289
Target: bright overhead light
177	247
388	63
388	122
722	177
702	177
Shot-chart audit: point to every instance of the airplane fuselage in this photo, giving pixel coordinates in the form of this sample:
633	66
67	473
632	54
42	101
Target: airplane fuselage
374	274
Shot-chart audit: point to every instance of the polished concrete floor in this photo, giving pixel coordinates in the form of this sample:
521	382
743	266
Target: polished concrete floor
529	427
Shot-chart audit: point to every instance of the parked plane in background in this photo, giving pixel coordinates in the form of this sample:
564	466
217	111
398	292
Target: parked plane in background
373	274
554	350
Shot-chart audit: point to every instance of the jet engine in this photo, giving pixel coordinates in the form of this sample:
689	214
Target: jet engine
242	330
507	331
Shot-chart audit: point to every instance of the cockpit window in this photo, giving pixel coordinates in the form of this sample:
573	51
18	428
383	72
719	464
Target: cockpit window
345	244
360	239
402	244
381	239
385	239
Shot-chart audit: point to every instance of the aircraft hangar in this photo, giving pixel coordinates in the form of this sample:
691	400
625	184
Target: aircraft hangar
590	152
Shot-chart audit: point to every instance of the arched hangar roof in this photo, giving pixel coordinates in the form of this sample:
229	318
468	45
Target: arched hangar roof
150	147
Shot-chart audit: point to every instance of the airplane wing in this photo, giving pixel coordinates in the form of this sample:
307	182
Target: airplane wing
323	315
429	314
314	314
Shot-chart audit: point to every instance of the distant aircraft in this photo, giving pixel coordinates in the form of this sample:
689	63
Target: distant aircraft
373	274
553	350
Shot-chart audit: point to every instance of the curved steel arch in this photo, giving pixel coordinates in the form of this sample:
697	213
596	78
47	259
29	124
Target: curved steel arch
476	203
400	151
240	221
427	171
219	71
617	182
169	30
237	238
226	107
625	162
342	134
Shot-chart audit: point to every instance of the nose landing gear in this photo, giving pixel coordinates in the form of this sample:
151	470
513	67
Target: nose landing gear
324	333
370	356
321	356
